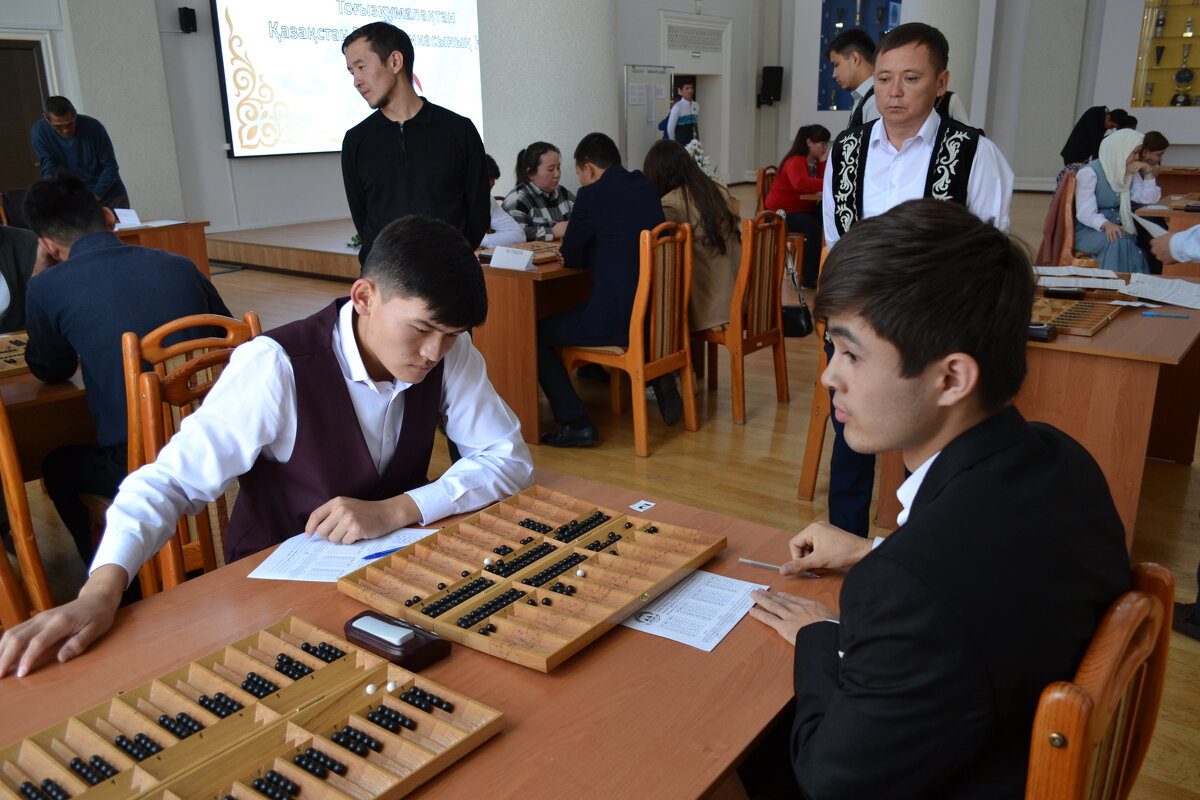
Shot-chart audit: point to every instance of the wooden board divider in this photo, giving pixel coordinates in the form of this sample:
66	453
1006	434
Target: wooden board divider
627	561
229	754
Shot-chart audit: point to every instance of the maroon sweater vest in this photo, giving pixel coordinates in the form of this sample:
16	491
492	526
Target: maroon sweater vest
330	457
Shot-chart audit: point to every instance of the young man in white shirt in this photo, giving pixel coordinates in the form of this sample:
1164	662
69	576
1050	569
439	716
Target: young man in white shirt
910	152
328	422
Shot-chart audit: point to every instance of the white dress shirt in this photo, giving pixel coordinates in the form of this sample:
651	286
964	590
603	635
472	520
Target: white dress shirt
1141	190
907	492
1185	245
893	176
505	230
870	111
252	410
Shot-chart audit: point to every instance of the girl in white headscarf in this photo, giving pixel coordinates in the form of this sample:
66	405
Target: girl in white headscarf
1104	193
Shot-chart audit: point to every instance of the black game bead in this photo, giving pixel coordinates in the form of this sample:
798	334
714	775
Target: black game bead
652	529
416	598
483	631
613	553
283	658
441	586
103	767
466	572
628	525
55	791
31	790
309	765
408	603
282	782
545	601
531	602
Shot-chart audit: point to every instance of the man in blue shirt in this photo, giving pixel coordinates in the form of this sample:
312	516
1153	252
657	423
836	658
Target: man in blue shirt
77	311
79	145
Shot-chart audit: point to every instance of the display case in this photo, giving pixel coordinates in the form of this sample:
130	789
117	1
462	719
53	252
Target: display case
876	17
1164	75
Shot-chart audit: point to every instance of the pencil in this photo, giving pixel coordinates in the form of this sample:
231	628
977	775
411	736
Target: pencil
752	562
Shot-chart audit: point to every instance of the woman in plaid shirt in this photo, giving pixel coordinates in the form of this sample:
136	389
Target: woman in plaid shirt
539	205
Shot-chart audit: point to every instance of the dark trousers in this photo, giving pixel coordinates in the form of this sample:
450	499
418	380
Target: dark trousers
82	469
1143	241
813	229
560	330
851	478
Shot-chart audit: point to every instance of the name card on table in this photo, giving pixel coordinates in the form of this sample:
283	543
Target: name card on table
512	258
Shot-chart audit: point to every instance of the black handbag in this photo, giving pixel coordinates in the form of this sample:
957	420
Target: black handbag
797	320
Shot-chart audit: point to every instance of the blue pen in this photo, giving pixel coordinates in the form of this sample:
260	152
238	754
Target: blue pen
1156	314
380	554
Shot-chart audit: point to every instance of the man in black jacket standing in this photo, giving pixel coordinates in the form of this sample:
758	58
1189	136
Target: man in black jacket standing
410	156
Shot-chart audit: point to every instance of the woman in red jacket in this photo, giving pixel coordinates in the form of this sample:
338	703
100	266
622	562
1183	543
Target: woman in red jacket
802	171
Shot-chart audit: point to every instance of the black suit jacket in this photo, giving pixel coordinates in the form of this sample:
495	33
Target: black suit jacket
953	626
602	236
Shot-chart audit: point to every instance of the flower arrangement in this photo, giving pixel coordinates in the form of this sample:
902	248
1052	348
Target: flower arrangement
696	151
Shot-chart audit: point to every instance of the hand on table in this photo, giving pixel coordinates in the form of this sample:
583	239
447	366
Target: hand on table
559	229
787	613
1113	231
346	520
823	546
76	624
1161	247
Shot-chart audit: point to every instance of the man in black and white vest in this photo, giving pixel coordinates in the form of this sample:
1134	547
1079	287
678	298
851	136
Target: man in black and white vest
911	151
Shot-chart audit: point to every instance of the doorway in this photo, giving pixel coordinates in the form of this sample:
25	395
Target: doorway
25	88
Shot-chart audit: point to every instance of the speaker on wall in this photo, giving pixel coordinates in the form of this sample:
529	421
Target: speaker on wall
187	20
772	85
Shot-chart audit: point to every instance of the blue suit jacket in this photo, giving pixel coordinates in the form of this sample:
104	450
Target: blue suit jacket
606	221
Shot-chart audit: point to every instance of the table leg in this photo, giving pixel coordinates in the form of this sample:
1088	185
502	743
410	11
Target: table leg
508	342
1176	411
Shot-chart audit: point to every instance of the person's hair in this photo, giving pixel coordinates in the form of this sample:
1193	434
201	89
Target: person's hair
1155	141
598	149
669	166
818	133
918	33
384	38
530	158
1122	118
684	82
58	106
427	259
933	279
62	209
853	40
493	169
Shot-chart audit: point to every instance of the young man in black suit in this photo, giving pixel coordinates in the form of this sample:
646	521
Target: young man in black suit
613	207
1009	548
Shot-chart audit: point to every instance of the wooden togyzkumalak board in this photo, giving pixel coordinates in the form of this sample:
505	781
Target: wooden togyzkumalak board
532	579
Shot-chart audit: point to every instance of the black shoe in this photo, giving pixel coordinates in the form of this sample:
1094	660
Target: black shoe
594	373
1182	622
568	436
670	402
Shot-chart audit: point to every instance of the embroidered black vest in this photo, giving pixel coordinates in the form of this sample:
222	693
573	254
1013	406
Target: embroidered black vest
946	179
856	116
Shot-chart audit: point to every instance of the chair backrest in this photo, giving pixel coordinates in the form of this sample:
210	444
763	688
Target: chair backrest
181	375
1067	208
3	212
28	593
762	185
658	326
757	304
1090	735
138	352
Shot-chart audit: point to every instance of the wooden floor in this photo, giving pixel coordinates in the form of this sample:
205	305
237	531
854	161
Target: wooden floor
750	471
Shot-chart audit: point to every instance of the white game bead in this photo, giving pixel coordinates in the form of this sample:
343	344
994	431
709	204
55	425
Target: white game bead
487	562
371	688
391	686
579	573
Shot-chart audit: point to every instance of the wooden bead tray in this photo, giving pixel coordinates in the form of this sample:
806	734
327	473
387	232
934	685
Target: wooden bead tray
442	583
231	752
12	355
1078	317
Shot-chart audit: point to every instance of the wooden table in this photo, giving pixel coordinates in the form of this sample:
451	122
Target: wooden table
45	416
184	238
1177	220
633	715
1125	394
508	340
1178	180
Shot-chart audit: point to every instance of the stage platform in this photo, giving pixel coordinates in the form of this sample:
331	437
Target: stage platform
313	248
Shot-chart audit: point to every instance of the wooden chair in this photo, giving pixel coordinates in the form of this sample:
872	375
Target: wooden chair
22	595
818	417
755	312
762	186
658	329
157	401
1090	735
1068	256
